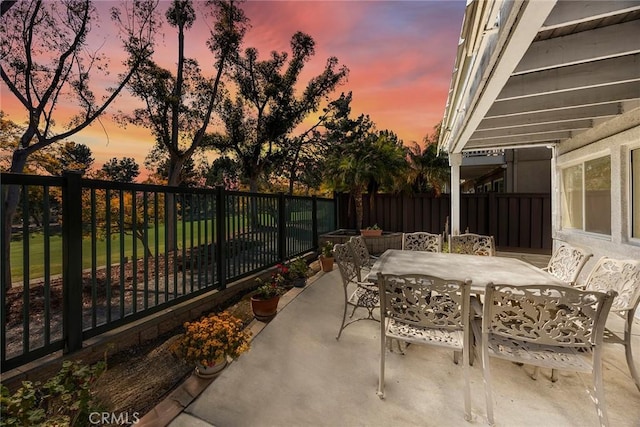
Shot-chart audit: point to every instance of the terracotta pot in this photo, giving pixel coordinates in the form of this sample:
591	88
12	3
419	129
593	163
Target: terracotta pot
371	233
265	309
326	263
211	370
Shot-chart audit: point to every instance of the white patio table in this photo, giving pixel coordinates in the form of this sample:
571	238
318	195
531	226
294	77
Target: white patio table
480	269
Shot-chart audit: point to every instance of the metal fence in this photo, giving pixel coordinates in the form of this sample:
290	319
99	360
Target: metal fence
87	256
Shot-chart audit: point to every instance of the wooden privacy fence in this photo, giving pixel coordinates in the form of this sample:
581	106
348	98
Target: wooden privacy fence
518	221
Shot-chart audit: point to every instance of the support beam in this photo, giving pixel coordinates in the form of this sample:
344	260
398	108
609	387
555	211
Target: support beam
585	46
593	74
455	160
522	139
573	99
532	129
548	117
575	12
531	17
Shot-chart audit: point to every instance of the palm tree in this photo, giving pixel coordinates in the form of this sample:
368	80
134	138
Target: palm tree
429	170
374	161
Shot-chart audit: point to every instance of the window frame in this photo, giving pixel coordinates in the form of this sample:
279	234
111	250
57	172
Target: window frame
582	161
629	150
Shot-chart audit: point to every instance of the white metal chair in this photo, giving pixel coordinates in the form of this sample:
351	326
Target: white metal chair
426	310
472	244
365	295
567	263
422	241
365	259
551	326
622	276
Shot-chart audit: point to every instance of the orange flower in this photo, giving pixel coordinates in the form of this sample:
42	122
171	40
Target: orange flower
211	338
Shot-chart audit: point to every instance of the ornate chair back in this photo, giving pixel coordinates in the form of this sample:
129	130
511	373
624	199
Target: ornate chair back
623	277
357	294
567	262
362	252
558	327
425	310
472	244
347	261
421	241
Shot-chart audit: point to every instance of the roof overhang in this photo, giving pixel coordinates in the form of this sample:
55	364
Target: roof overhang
537	73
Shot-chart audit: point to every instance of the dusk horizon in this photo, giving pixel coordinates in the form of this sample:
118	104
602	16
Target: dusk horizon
400	55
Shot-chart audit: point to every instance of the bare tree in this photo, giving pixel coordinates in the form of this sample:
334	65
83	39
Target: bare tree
46	61
178	107
266	108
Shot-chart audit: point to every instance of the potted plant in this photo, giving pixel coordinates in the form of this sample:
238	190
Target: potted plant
210	341
264	302
326	257
286	279
373	230
298	272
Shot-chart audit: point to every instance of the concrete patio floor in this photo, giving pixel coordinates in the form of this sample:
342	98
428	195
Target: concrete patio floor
297	374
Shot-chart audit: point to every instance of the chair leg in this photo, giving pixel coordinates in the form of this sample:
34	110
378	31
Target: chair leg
344	319
598	387
627	349
353	311
383	348
467	387
487	385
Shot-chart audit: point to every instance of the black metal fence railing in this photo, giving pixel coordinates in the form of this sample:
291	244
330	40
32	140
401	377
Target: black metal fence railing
87	256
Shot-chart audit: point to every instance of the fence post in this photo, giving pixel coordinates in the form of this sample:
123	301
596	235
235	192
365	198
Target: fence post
336	211
221	220
314	222
282	228
493	216
72	261
404	216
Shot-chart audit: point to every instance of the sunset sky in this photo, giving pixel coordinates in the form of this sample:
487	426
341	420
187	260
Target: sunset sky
400	55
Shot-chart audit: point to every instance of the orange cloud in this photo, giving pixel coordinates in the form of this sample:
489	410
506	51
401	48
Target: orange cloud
400	55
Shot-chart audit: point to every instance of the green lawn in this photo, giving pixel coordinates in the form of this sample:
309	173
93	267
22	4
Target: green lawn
236	224
37	247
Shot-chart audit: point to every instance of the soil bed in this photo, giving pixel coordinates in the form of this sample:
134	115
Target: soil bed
139	378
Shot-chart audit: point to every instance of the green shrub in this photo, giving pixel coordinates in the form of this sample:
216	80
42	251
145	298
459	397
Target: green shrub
64	400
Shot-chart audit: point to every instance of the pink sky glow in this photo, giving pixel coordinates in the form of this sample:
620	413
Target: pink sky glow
400	55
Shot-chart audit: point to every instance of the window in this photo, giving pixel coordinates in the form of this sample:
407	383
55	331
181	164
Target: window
572	197
586	201
635	193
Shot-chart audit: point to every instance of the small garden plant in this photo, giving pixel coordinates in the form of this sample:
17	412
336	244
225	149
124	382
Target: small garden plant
212	338
64	400
270	288
298	268
327	249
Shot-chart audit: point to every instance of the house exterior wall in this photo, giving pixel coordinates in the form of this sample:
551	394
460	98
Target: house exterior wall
616	139
528	170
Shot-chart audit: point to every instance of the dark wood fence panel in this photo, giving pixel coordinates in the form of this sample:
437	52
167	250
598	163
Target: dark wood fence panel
517	221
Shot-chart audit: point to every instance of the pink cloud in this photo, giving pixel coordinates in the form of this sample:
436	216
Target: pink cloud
400	56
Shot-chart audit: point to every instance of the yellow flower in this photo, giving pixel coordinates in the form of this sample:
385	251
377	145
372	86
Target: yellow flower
213	337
